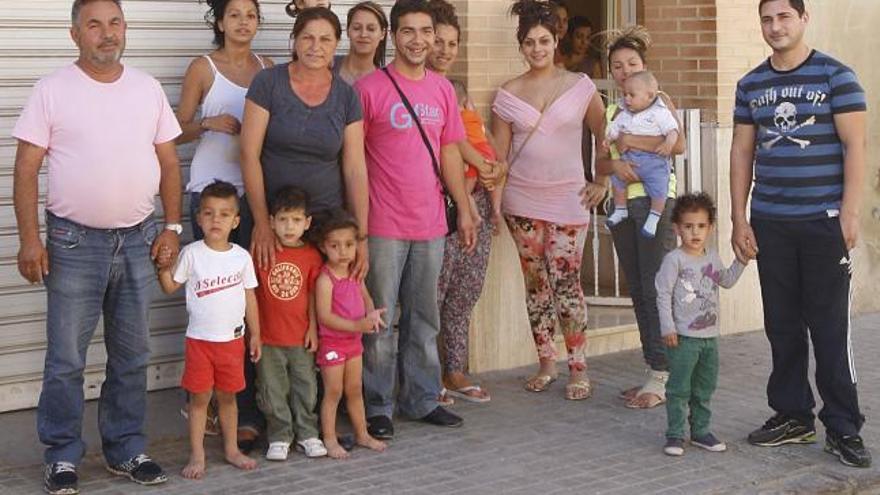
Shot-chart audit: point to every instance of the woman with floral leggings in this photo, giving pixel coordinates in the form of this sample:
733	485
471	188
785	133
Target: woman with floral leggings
543	196
463	273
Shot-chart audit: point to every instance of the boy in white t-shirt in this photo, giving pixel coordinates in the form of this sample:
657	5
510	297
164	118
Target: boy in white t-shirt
220	281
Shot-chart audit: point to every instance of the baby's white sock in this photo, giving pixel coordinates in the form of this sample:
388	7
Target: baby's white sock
619	214
649	230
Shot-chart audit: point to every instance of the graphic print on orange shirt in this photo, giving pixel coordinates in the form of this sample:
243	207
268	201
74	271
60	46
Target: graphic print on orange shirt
285	281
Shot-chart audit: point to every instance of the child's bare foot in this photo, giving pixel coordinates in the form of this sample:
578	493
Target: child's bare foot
241	461
195	468
334	450
371	443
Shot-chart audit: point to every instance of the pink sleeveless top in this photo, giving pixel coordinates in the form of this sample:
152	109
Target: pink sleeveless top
545	180
348	302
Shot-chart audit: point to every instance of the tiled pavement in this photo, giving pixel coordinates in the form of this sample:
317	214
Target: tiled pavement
521	443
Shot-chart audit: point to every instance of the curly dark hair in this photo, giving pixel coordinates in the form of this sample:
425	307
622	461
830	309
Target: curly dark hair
534	13
215	13
337	219
693	202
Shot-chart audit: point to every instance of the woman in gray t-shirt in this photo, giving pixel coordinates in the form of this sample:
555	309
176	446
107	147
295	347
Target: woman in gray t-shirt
298	119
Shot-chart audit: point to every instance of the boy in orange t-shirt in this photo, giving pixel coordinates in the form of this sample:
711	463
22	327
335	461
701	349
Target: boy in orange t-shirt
287	387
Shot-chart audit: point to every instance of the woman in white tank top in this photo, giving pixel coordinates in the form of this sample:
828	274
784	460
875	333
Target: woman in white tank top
218	83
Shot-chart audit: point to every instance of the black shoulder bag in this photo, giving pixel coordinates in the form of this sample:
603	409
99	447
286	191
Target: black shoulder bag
451	208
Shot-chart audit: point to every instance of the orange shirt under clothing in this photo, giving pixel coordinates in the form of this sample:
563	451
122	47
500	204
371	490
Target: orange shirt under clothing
476	136
283	295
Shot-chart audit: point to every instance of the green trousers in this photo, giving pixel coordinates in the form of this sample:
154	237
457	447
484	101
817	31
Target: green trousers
287	393
693	375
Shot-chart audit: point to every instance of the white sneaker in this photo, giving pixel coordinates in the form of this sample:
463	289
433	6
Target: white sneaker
312	447
277	451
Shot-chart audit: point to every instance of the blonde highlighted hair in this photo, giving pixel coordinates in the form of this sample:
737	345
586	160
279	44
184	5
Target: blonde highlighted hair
635	38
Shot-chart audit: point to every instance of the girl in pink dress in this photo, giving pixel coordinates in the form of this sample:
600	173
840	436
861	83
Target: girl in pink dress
345	312
538	124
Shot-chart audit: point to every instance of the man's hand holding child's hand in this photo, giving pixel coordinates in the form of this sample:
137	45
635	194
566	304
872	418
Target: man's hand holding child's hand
163	259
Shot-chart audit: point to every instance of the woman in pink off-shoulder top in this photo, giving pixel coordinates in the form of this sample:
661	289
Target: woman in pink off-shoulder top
538	123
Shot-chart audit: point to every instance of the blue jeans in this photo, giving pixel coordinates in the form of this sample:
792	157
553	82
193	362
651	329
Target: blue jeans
95	272
404	271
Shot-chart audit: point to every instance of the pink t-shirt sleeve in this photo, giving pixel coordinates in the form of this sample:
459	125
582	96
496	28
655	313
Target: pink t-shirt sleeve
453	131
33	125
167	127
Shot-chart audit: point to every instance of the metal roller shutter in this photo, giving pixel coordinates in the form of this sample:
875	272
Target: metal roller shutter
163	36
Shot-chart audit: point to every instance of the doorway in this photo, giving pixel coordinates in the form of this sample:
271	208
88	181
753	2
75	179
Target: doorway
603	15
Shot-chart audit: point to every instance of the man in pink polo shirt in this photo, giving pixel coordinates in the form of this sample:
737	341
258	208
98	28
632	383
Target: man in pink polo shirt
407	224
107	134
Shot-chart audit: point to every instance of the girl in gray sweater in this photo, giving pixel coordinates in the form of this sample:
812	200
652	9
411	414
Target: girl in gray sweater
687	299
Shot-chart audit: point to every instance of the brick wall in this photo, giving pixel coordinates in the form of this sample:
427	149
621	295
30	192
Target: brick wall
684	55
701	48
489	53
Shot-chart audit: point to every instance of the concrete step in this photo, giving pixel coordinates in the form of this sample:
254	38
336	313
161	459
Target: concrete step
609	329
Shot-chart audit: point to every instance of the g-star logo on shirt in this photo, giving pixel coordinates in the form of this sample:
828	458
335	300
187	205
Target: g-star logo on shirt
208	286
401	118
285	280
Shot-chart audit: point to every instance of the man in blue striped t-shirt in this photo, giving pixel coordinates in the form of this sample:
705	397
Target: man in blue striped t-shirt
800	131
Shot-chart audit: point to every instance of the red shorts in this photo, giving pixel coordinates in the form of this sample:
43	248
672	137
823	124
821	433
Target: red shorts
333	352
213	365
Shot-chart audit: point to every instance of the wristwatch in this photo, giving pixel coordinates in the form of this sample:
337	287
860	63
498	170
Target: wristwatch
174	227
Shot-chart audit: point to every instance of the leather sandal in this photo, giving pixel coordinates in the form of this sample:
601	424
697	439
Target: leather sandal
539	383
579	390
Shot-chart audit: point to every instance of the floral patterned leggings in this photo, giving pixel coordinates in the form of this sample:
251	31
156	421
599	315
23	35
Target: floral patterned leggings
459	288
551	263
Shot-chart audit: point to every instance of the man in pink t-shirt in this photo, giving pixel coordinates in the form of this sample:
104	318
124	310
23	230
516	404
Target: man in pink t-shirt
407	223
106	132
